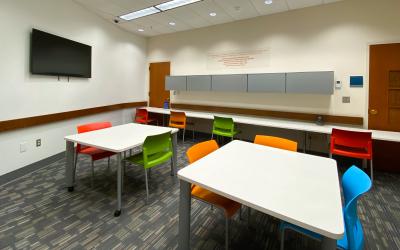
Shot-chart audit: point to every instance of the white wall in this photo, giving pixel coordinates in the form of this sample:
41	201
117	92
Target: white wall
118	66
330	37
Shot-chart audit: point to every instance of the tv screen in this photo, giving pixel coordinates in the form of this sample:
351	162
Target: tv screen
58	56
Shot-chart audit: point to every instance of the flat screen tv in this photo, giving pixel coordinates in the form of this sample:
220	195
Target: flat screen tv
58	56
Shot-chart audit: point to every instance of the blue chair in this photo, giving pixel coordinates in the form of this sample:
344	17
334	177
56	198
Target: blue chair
355	183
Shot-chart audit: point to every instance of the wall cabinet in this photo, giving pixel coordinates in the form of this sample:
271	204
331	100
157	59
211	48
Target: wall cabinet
199	83
175	83
269	82
320	82
229	83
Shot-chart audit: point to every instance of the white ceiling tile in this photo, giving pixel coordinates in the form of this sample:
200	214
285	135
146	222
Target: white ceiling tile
297	4
267	9
238	9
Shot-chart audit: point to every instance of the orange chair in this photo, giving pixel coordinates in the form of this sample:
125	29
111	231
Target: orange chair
352	144
94	153
142	116
276	142
229	207
178	120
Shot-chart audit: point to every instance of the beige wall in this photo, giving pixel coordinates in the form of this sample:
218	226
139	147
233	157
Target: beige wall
331	37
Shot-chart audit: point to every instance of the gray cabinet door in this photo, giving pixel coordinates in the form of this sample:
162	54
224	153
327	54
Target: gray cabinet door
268	82
175	83
229	83
310	82
199	83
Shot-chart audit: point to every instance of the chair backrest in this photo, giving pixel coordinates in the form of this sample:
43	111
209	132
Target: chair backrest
355	183
154	144
141	114
351	139
91	127
276	142
223	123
177	118
200	150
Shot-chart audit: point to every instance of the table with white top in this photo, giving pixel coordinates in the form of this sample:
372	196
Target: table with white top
117	139
283	123
298	188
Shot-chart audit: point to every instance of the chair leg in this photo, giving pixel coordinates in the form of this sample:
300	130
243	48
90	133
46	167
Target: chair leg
212	136
92	179
372	171
330	155
193	133
282	239
183	136
147	185
226	233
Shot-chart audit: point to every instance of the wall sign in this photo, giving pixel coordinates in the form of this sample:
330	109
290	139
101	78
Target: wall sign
239	59
356	81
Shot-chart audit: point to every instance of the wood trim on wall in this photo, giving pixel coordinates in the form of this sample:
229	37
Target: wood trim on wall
277	114
44	119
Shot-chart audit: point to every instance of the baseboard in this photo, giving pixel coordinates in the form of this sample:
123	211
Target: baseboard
11	176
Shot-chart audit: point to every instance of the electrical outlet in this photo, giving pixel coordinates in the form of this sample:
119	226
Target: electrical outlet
23	147
38	143
346	99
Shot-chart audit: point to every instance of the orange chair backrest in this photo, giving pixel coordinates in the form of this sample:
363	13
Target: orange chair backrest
200	150
276	142
91	127
177	119
141	114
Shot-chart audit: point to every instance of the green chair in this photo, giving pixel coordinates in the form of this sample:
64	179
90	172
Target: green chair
224	126
157	149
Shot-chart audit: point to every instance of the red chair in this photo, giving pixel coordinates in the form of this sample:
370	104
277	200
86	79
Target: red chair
142	116
94	153
352	144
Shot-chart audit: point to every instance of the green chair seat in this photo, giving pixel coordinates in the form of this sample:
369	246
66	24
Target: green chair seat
224	126
157	149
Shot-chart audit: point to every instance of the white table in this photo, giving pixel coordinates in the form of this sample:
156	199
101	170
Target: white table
284	123
295	187
117	139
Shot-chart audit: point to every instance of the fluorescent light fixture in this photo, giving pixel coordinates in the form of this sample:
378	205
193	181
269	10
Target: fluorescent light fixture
140	13
213	14
268	1
175	4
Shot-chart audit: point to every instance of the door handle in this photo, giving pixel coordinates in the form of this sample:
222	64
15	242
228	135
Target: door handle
373	112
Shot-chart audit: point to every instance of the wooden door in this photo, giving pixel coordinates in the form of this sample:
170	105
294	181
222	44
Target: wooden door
384	87
158	94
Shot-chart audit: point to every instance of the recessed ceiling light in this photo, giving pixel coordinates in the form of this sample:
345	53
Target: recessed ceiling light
175	4
139	13
268	1
140	30
213	14
172	23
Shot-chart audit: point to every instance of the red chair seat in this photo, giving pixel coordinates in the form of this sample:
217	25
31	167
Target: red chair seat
95	153
360	153
144	121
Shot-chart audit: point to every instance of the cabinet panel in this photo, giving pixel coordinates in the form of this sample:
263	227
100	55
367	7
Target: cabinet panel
175	83
229	83
199	83
310	82
269	82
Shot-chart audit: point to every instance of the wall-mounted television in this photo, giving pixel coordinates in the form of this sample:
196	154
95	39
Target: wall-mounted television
58	56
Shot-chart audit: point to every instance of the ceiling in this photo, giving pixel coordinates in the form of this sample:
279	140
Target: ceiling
192	16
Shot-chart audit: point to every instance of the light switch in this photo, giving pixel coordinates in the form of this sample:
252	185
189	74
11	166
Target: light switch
346	99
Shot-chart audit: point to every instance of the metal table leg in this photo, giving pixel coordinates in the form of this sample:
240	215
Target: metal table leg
184	215
119	185
69	166
174	166
328	244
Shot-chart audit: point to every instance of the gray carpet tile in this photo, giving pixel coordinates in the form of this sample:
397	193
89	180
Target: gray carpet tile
37	212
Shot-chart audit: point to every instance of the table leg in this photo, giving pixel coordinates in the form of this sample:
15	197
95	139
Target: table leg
328	244
119	185
184	215
69	166
174	166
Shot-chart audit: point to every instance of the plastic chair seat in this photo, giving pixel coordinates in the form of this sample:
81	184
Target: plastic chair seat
225	133
144	121
95	153
230	207
153	160
177	125
351	152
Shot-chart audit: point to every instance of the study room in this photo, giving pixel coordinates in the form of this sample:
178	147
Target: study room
200	124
